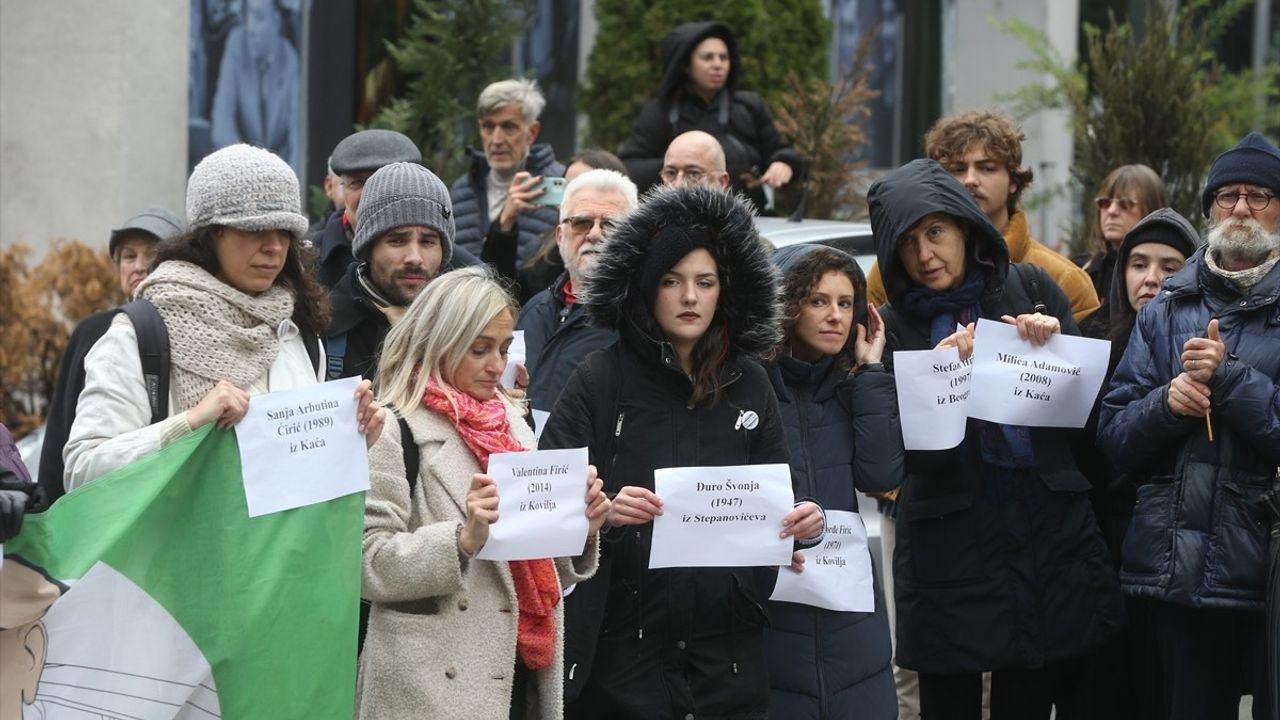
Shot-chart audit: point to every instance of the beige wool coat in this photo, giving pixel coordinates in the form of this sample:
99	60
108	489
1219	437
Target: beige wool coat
442	631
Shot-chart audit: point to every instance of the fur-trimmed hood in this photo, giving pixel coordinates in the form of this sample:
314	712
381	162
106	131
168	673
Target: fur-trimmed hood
749	301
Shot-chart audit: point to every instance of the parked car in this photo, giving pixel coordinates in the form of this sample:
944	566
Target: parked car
855	239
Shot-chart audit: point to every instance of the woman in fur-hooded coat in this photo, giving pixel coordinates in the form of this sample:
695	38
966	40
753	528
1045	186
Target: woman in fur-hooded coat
665	643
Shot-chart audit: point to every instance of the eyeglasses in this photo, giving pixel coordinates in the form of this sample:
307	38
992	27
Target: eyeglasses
1257	201
354	184
582	224
1124	204
693	175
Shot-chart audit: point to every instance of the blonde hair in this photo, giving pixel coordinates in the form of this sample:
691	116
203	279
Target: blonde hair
435	333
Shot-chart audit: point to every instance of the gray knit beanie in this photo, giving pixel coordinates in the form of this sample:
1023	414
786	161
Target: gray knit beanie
402	194
246	188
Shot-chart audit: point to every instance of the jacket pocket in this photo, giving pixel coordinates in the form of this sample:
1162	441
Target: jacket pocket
1147	550
1237	555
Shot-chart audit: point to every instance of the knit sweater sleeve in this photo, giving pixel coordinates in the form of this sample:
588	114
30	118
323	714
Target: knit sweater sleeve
113	416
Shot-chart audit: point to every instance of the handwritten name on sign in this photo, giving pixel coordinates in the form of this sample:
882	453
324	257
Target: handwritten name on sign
301	447
541	505
837	574
721	516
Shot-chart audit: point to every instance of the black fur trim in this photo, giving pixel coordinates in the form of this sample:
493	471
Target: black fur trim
750	302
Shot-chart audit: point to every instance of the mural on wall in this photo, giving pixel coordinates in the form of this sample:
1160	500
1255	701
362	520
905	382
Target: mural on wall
245	77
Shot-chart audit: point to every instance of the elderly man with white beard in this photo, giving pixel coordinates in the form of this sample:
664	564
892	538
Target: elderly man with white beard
1193	412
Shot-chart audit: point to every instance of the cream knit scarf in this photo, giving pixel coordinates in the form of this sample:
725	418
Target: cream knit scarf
1243	279
216	332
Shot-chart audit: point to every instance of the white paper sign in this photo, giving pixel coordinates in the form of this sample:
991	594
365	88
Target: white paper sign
837	573
515	354
721	516
542	505
933	391
301	447
1017	383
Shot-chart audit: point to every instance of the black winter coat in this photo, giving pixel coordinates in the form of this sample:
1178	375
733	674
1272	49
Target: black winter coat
556	338
334	246
357	322
1199	533
995	568
469	195
666	643
740	120
844	437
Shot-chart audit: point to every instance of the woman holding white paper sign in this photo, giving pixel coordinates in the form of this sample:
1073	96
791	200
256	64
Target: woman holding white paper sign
999	564
688	285
241	313
451	635
840	411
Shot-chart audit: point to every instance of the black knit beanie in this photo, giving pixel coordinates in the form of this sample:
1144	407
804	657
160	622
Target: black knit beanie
667	248
1165	234
1253	160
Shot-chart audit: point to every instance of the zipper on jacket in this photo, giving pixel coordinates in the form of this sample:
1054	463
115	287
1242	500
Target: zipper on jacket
617	429
823	709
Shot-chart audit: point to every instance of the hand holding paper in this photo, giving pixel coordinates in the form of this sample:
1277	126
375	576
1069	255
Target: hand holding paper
1035	328
598	503
541	510
482	511
961	340
634	505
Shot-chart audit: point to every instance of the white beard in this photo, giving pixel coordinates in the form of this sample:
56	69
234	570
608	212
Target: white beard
1242	243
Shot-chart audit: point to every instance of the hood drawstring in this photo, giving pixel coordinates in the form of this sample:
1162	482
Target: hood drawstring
733	627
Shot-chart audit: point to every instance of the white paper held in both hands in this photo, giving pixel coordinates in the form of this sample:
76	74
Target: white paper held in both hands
542	505
837	573
722	516
302	447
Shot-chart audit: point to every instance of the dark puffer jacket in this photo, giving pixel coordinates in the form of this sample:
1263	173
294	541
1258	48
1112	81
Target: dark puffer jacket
556	338
740	120
469	195
844	438
1199	535
658	644
995	568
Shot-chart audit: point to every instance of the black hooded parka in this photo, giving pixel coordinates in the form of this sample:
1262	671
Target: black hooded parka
739	119
995	568
667	643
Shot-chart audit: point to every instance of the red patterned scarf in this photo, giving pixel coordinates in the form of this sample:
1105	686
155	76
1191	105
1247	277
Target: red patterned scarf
485	429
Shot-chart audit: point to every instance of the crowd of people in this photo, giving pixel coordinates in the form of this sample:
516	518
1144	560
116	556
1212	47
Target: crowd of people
1111	571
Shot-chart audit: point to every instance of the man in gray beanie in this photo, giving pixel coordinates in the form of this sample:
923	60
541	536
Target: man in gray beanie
354	160
404	236
1192	415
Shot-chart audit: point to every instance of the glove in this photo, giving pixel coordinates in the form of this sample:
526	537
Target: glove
13	504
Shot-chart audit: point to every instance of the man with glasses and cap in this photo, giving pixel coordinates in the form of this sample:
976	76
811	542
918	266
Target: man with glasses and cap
1193	412
133	248
556	333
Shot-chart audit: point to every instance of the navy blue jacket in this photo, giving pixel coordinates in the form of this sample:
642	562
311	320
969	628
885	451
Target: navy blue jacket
844	437
556	338
1198	535
334	246
471	205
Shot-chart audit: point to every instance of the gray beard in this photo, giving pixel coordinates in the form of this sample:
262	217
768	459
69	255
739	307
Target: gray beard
1242	243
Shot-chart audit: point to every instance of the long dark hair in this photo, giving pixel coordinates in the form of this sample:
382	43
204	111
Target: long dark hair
799	282
310	302
708	356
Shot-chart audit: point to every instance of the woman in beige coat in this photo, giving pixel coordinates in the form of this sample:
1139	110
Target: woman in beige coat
450	635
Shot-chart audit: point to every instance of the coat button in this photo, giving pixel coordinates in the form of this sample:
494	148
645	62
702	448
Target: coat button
679	644
688	716
462	603
451	672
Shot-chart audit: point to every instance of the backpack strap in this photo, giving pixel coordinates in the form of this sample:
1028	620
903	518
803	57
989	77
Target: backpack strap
335	347
1033	293
153	349
412	463
312	341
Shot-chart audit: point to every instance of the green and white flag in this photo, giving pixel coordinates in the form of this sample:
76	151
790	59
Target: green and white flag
151	593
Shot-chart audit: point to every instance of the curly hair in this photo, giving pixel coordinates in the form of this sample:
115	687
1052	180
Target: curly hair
950	138
801	279
310	301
